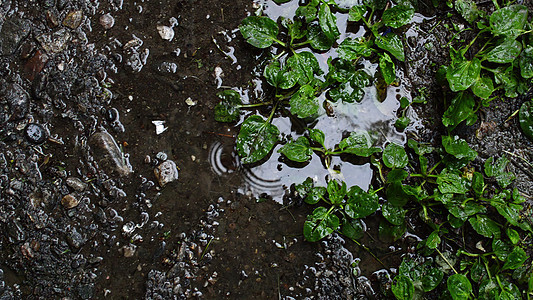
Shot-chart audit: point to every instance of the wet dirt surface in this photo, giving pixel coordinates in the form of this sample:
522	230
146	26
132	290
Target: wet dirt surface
82	212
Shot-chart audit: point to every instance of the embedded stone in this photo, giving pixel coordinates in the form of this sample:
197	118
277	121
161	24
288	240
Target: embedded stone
166	172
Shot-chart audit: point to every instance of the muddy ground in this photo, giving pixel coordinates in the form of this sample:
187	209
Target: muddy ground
84	216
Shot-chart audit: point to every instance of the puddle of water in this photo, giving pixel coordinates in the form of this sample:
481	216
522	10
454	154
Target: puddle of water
376	113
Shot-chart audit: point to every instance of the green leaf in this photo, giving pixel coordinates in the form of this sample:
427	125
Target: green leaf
513	235
525	117
353	229
510	211
478	184
402	123
283	78
461	75
256	139
317	135
315	194
320	224
308	12
459	286
461	108
501	249
398	16
458	148
304	188
403	288
525	62
509	21
433	240
507	78
328	22
303	103
505	52
281	1
396	194
351	49
394	214
298	150
388	70
467	9
394	156
483	87
392	43
317	39
484	226
259	31
336	191
358	143
228	110
360	203
397	175
497	170
304	65
346	93
462	212
356	13
515	259
431	279
488	289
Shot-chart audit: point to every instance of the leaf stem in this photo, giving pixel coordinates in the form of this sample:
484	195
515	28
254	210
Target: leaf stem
446	260
255	104
279	42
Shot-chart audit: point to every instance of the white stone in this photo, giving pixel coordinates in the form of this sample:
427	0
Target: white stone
166	33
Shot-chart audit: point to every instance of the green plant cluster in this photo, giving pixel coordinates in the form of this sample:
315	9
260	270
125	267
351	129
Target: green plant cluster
462	201
503	62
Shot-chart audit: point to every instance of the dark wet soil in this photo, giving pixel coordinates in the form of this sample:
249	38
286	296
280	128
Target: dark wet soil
82	213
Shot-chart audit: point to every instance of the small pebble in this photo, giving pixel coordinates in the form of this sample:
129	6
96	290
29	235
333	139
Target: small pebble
35	133
76	184
107	21
166	172
69	201
73	19
166	33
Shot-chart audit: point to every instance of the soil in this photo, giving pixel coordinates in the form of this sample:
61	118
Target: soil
84	215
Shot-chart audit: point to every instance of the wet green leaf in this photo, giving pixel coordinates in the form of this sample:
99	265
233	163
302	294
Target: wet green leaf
505	52
509	21
394	156
478	183
394	214
298	150
467	9
526	118
501	249
351	49
336	191
403	288
477	271
303	103
346	93
507	78
515	259
309	12
460	109
305	187
358	143
462	212
353	229
513	235
259	31
328	22
461	75
525	61
320	224
304	65
228	110
483	87
484	226
360	203
397	175
317	135
458	148
402	123
356	13
488	289
431	279
388	70
392	43
396	194
281	1
280	77
317	39
398	16
497	170
433	240
256	139
315	194
459	286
